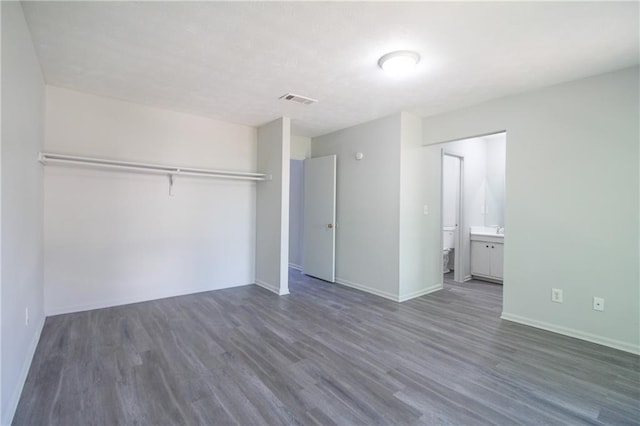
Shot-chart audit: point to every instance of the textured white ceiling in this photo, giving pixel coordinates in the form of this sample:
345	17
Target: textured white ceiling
233	60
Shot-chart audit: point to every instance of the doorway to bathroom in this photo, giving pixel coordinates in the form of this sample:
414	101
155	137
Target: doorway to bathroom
452	178
472	209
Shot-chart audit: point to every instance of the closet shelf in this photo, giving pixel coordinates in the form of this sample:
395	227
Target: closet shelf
48	157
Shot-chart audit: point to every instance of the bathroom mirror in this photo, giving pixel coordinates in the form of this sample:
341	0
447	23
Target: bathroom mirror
494	181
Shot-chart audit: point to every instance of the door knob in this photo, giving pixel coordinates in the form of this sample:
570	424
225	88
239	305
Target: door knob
330	225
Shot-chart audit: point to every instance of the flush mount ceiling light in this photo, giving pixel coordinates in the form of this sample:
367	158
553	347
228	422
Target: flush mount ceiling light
399	63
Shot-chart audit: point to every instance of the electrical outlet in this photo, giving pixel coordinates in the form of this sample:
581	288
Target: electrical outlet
26	316
556	295
598	304
425	210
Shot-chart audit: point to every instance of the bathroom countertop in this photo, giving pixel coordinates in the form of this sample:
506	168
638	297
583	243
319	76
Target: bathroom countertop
492	238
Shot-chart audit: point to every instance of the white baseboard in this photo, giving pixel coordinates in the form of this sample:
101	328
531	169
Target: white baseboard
272	288
296	267
367	289
388	295
12	405
593	338
418	293
58	310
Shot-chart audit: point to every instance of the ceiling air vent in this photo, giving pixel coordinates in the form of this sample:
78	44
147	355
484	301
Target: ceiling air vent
298	98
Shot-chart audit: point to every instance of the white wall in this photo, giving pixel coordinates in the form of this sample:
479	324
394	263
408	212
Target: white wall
414	279
272	229
296	213
571	202
367	211
116	237
23	94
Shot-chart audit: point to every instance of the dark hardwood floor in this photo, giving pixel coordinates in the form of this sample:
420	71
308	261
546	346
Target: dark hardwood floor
325	354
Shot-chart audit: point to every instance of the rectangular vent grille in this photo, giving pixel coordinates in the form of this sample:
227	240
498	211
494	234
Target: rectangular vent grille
298	98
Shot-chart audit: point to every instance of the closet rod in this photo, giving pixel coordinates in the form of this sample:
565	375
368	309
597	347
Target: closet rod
47	157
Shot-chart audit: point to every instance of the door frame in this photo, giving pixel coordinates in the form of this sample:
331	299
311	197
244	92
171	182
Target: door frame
332	225
458	255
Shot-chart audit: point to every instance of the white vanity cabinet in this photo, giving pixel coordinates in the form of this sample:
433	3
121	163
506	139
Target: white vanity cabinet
487	253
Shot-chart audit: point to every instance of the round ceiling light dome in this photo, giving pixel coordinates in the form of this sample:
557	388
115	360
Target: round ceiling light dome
399	63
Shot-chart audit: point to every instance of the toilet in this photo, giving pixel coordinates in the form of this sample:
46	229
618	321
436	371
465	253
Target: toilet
448	243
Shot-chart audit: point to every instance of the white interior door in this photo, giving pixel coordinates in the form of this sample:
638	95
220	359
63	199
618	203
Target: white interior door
318	255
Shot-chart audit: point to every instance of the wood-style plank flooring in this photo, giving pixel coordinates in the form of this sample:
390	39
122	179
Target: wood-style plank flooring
326	355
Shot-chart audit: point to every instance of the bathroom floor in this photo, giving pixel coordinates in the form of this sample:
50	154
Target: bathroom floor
489	286
448	277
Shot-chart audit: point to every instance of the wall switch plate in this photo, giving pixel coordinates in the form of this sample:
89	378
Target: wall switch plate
598	304
26	316
425	209
556	295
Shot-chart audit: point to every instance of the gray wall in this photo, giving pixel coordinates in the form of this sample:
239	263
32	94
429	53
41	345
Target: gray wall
272	206
296	213
23	94
367	211
571	203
